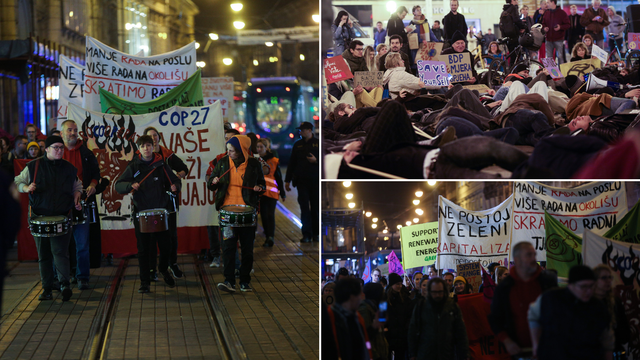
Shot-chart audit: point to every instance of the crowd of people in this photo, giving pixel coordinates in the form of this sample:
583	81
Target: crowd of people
405	128
423	316
61	176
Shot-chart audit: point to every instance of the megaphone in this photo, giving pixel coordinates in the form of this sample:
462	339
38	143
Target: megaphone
594	83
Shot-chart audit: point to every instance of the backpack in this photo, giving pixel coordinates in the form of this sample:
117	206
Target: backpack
507	26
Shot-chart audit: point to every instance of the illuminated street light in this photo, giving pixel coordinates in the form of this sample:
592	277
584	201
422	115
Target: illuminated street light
236	6
408	223
385	231
368	214
227	61
238	25
418	193
399	226
416	202
346	183
200	64
316	18
419	212
197	45
302	57
213	36
349	196
255	63
352	205
416	220
374	220
373	226
391	6
268	43
431	182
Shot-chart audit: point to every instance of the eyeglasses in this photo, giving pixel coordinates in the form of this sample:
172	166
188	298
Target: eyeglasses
57	148
359	49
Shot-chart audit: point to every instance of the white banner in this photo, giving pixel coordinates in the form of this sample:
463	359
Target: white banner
219	89
281	35
194	134
133	77
622	259
71	83
466	236
596	206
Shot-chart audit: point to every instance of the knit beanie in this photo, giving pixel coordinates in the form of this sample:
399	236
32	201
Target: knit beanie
394	279
52	140
457	36
460	278
33	143
519	67
579	273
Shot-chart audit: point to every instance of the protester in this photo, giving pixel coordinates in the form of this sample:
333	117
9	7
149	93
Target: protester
616	27
495	52
453	22
511	299
448	280
415	291
459	46
31	131
369	57
354	56
395	42
398	316
526	19
588	42
489	37
501	273
432	272
327	293
576	30
379	34
376	274
368	309
461	287
580	52
437	330
5	144
422	30
595	19
603	291
343	273
33	150
343	32
437	30
395	26
555	22
472	40
19	151
510	24
537	16
568	323
275	190
397	79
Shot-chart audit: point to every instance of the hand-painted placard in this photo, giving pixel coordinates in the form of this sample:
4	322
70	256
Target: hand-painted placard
419	244
219	89
472	273
336	69
368	78
429	51
633	41
553	68
459	66
71	82
433	73
579	68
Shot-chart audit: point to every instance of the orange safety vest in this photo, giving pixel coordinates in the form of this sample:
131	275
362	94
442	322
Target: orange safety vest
272	186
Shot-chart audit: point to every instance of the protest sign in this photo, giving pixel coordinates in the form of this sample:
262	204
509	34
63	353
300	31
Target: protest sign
433	73
482	88
187	94
394	264
71	83
336	69
429	51
599	53
579	68
459	66
628	228
564	248
633	41
466	236
132	77
220	89
368	78
194	134
419	244
366	274
552	67
596	206
483	344
472	273
622	259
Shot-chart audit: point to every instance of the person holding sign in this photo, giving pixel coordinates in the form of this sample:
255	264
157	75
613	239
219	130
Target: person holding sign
459	46
399	80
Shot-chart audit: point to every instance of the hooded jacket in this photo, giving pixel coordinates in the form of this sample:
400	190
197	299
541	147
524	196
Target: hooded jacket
152	193
250	171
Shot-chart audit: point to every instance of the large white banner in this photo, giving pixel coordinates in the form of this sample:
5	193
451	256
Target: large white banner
195	134
219	89
622	259
71	83
468	236
133	77
595	206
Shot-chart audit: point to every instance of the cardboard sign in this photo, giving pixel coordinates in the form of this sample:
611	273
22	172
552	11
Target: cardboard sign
219	89
419	244
595	206
471	272
633	41
467	236
368	78
553	68
336	69
433	73
413	41
482	88
599	53
429	52
459	66
579	68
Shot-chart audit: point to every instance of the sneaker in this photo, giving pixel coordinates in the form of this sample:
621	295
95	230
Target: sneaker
245	287
46	295
66	293
175	270
237	273
227	287
83	285
168	279
268	242
144	288
154	276
216	262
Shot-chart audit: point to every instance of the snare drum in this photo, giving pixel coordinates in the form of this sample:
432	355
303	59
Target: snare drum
237	216
79	217
49	226
153	220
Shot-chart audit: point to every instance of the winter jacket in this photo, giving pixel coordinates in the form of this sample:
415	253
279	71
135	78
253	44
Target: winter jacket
252	176
361	120
299	168
438	335
550	19
398	317
439	33
575	31
515	16
152	193
342	36
616	26
397	79
379	346
348	332
355	63
594	27
395	26
452	23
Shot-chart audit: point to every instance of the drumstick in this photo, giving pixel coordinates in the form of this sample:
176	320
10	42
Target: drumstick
143	179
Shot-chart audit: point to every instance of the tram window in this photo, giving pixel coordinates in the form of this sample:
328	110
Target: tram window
273	113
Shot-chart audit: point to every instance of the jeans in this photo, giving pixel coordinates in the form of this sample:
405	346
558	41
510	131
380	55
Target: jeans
53	250
465	128
81	237
559	47
230	238
147	250
618	105
268	215
214	240
309	208
531	125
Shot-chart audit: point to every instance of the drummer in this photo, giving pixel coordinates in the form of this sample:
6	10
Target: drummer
83	159
150	192
181	169
237	180
54	191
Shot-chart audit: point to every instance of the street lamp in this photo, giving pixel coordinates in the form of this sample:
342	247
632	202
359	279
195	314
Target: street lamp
238	25
399	226
346	183
302	57
316	18
375	220
213	36
197	45
352	205
416	202
236	6
255	63
416	220
419	212
368	214
418	193
391	6
431	182
227	61
268	43
373	226
408	223
200	64
349	196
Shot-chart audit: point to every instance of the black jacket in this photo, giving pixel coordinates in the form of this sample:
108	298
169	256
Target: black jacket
253	176
361	120
300	169
451	23
55	180
515	16
576	30
277	175
153	191
90	169
395	26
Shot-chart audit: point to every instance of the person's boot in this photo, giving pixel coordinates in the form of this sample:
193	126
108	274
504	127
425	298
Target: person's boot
46	295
